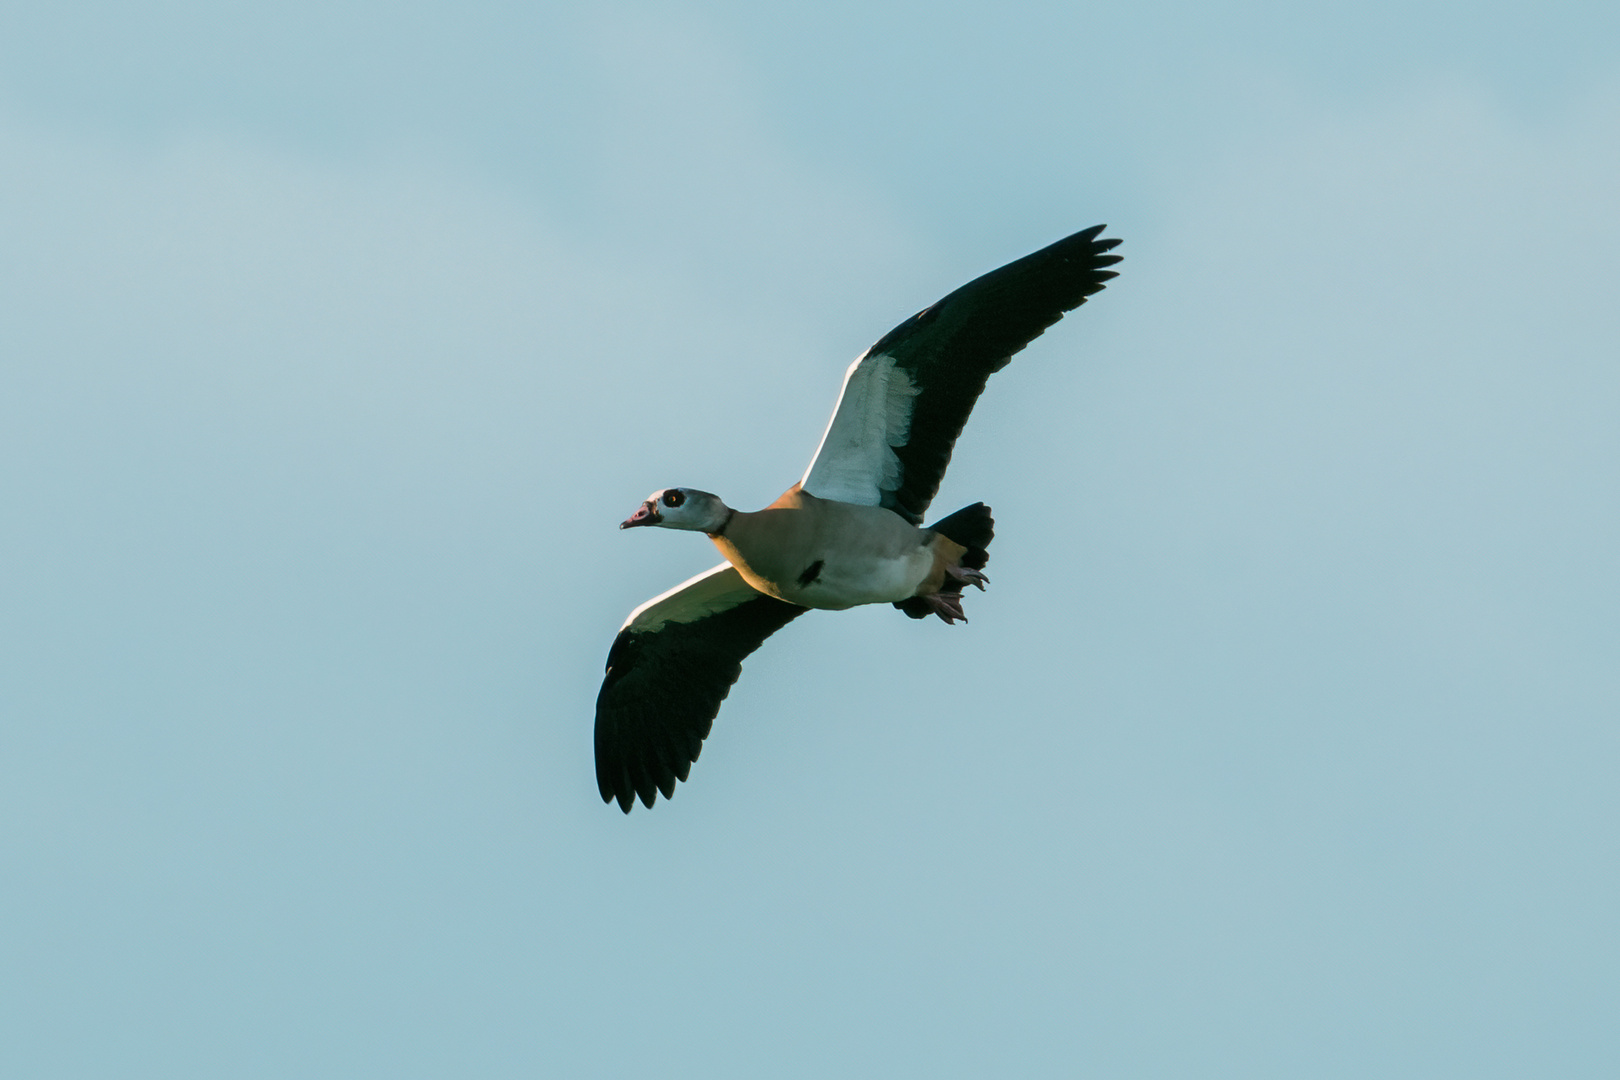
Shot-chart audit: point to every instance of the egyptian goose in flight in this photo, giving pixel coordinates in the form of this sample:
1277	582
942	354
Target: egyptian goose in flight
848	533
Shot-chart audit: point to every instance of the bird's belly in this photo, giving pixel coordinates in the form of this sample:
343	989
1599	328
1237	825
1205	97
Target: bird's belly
834	585
878	582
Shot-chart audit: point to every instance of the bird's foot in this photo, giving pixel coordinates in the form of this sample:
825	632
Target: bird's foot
966	575
947	605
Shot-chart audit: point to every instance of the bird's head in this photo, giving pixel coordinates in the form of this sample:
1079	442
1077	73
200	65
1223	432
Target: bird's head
681	508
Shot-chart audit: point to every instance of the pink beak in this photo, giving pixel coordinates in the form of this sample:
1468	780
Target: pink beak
647	514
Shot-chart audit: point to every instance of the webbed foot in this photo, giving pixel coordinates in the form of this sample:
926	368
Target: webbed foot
964	575
947	605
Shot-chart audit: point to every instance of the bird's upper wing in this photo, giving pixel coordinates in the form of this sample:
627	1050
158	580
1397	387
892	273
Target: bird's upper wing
669	669
907	398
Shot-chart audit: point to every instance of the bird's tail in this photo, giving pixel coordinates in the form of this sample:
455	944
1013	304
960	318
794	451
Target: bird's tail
973	528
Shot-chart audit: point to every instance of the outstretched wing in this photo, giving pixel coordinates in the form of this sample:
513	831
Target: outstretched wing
907	398
669	669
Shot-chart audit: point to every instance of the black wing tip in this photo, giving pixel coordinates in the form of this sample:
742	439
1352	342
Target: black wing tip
1089	236
1097	249
625	779
626	791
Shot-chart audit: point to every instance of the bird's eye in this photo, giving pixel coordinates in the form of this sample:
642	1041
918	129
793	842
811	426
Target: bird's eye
673	499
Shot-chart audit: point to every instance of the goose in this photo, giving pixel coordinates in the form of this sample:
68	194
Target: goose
849	532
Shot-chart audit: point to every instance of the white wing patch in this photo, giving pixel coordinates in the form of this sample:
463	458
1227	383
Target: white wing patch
856	462
711	592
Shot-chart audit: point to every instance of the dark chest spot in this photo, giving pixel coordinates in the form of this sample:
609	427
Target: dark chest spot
811	572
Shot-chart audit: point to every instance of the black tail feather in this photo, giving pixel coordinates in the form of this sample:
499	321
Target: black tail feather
973	528
915	607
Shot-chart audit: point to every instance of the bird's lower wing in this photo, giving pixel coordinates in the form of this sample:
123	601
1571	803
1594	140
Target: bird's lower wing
671	666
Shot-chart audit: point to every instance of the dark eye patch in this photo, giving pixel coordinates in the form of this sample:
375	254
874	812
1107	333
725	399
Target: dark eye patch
673	498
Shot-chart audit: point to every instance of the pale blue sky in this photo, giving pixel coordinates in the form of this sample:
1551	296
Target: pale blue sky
335	339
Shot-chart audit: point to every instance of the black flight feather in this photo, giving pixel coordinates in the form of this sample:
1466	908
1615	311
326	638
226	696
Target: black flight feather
950	349
662	692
